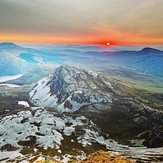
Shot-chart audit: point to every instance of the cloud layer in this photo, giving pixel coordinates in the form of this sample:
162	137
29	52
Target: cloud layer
70	21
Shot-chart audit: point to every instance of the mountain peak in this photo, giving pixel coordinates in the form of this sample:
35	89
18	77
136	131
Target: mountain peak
70	88
8	45
65	68
150	50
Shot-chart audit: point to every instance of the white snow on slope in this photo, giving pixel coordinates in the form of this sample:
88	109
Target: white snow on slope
48	129
9	154
7	78
24	103
69	88
11	85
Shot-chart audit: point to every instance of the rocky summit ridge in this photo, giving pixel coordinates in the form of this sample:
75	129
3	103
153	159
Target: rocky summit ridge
70	88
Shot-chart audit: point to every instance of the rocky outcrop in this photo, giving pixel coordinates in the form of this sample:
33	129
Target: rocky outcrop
69	88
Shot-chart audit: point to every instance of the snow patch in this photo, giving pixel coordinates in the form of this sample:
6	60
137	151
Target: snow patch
7	78
11	85
24	103
48	130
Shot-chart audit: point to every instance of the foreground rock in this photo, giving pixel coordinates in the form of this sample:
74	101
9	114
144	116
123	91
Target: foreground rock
98	157
108	157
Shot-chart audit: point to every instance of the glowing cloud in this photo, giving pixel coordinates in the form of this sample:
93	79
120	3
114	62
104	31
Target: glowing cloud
89	21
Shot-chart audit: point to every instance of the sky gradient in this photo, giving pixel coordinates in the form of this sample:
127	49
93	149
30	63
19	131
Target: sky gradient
120	22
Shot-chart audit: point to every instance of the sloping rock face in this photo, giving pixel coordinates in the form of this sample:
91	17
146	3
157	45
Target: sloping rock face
108	157
70	88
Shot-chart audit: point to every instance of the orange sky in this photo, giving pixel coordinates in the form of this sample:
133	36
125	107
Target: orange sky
97	40
120	22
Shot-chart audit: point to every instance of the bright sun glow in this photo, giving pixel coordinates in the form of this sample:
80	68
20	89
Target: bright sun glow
108	43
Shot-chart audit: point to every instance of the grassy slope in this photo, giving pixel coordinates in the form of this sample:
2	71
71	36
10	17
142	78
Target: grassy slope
136	79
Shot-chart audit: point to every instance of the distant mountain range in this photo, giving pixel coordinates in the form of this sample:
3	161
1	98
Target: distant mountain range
9	45
10	62
15	59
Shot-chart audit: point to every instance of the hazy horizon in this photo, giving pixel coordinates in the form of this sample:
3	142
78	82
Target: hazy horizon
120	22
